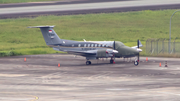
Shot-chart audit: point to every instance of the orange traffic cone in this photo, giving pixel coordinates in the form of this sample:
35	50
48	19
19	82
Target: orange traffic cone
146	59
160	64
24	59
58	64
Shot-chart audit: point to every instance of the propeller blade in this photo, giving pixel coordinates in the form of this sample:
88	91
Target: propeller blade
114	51
138	48
138	57
114	46
138	43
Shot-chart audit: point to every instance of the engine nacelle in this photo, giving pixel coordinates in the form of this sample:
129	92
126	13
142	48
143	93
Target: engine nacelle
106	53
101	53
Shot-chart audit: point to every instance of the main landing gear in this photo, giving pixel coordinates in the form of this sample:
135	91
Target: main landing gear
111	61
88	62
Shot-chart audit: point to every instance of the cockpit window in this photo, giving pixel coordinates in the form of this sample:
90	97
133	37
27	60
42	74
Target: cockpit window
119	43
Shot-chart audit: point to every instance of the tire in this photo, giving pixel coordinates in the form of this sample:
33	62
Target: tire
88	62
136	63
111	61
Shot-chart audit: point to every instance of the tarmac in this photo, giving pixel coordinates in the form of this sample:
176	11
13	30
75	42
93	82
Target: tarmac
40	79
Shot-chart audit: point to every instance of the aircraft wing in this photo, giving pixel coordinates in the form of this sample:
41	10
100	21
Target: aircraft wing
82	53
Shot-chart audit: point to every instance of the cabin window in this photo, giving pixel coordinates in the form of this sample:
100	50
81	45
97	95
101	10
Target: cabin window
84	45
72	45
88	45
102	45
79	45
99	45
95	45
92	45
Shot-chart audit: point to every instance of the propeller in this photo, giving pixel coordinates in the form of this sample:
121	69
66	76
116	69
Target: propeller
138	48
114	45
114	49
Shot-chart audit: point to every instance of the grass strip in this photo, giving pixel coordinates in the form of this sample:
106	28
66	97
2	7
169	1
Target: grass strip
126	27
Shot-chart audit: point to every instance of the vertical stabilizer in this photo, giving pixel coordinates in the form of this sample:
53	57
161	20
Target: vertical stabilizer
49	35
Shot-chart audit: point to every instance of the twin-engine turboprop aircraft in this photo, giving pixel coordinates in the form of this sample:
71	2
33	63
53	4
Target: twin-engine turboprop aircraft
89	49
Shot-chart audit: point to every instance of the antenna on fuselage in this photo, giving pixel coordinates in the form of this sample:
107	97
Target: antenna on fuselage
84	40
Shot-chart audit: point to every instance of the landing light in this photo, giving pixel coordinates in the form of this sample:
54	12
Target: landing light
115	51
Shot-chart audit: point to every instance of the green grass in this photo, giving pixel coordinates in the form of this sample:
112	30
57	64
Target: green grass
126	27
22	1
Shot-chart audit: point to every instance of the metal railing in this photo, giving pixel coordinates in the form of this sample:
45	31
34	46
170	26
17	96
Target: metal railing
161	46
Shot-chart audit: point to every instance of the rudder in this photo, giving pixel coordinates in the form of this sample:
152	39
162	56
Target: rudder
49	34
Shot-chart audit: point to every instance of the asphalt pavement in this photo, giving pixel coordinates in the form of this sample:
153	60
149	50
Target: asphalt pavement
40	79
83	7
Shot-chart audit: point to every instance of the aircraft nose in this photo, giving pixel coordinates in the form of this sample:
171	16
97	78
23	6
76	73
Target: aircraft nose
136	52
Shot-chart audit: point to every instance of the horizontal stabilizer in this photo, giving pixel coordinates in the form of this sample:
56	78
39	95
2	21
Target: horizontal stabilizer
40	27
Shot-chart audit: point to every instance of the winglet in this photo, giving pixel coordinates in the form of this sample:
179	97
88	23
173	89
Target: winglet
140	44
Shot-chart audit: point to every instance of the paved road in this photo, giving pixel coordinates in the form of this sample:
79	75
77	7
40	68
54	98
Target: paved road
39	79
88	7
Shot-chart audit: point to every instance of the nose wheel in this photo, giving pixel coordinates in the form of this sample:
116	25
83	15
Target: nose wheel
136	62
88	62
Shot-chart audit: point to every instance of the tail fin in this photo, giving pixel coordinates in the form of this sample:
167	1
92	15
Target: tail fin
49	34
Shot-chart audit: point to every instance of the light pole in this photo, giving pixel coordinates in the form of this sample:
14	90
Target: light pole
170	31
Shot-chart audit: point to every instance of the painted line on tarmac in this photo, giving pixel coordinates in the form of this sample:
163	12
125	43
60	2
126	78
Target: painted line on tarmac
117	89
160	92
36	98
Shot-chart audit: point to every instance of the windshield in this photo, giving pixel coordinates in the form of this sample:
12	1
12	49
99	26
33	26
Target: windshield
119	43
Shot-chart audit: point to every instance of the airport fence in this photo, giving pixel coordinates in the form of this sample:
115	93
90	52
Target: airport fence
161	46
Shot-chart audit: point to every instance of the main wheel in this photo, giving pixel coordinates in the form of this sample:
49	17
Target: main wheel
136	62
88	62
111	61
